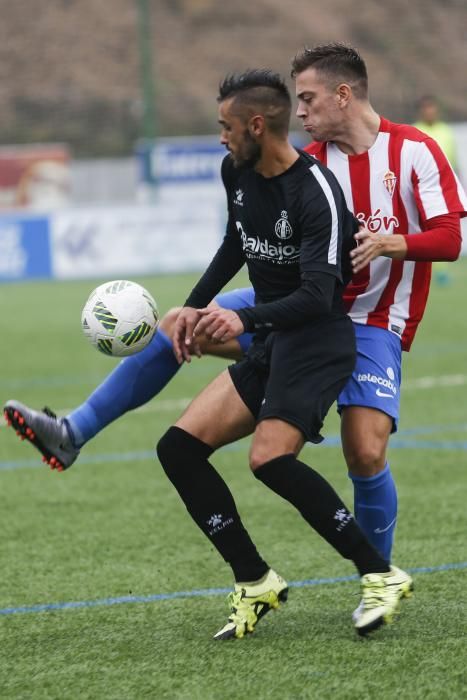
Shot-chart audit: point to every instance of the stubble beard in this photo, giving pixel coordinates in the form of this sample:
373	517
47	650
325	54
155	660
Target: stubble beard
251	153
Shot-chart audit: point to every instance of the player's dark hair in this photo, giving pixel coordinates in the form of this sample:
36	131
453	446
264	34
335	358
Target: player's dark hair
260	90
337	63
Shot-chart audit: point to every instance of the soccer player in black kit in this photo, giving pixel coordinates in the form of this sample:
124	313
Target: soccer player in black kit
288	221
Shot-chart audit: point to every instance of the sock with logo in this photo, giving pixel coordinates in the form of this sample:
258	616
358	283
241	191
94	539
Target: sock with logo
375	505
134	381
209	502
322	508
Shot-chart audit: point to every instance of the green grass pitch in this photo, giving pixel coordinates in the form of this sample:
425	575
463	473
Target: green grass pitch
112	527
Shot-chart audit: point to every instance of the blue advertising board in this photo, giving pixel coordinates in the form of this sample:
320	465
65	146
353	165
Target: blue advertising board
186	159
24	247
180	160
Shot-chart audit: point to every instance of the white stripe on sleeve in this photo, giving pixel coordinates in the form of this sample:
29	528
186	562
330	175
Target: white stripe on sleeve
332	250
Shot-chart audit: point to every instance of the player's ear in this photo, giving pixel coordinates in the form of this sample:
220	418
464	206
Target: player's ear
256	125
343	95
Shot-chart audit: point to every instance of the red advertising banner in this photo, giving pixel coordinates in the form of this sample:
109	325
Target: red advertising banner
34	176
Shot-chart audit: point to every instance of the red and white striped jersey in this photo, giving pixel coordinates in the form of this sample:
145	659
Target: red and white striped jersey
395	187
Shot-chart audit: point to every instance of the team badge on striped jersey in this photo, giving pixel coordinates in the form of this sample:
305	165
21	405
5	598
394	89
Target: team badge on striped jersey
389	181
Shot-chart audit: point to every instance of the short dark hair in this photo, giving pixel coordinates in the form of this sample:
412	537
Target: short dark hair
263	90
337	63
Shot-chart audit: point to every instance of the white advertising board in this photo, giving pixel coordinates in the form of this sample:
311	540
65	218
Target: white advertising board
170	236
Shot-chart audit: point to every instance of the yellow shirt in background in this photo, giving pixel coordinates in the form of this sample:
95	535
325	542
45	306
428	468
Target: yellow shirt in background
443	134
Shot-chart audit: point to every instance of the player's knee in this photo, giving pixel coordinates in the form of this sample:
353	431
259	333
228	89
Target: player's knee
365	459
168	450
179	450
259	455
167	322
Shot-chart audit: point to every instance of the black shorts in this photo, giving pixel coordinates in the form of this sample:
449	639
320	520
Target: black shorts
297	375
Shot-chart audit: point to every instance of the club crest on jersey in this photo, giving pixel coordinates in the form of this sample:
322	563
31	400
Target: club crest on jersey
389	181
283	229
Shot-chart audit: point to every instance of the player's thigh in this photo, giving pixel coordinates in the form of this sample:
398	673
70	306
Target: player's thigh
274	438
218	416
365	434
231	350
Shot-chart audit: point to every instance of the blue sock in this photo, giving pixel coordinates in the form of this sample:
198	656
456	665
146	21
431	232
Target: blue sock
136	380
375	506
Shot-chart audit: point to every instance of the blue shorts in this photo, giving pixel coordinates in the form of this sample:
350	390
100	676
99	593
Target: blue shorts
376	380
238	299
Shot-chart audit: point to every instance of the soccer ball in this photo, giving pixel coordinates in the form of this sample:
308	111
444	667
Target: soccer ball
120	318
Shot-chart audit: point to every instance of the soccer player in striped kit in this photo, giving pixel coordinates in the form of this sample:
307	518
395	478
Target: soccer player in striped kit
399	184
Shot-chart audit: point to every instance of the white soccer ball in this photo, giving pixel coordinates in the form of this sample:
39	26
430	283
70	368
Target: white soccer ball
120	318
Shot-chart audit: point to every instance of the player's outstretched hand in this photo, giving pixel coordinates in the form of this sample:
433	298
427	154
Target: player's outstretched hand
184	342
219	324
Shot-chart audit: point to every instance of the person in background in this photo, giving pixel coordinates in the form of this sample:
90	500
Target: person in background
430	122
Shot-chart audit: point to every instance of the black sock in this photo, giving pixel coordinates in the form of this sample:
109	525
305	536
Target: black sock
208	500
322	508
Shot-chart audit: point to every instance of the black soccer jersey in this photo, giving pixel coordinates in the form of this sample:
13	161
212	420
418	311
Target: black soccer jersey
294	232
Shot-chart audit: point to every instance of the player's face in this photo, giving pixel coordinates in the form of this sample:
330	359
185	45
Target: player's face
235	136
318	106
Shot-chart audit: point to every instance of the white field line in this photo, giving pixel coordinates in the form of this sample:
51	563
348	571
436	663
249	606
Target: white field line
430	382
166	405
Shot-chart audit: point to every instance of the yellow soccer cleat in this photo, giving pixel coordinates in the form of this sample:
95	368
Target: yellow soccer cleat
249	602
381	596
